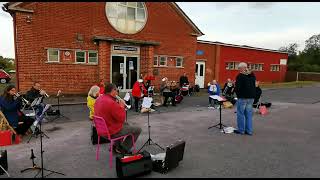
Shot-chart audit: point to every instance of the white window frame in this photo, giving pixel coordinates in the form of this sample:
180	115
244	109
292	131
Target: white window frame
157	57
166	61
181	58
48	55
273	69
85	57
96	52
234	65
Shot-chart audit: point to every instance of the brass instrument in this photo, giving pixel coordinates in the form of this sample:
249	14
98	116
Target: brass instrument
127	106
23	99
45	94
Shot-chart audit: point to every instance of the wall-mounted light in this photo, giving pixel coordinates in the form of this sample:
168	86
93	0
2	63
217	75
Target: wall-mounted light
28	19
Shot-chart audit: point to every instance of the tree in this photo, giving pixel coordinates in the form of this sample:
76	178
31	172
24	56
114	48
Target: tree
292	49
5	63
313	43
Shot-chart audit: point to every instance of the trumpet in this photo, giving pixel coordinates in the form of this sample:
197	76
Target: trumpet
127	106
17	95
45	94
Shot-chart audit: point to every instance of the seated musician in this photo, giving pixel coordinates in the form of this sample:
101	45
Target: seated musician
166	92
184	80
93	94
228	91
34	93
10	105
138	92
213	89
113	112
258	95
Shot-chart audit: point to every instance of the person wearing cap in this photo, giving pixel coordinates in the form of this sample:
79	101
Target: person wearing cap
138	92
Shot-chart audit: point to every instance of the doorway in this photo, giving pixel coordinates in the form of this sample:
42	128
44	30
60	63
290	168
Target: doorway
124	71
200	74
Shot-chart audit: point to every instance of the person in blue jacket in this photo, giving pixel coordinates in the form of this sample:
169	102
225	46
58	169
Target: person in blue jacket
213	89
10	106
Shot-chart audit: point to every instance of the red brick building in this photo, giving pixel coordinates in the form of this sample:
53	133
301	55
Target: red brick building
70	46
220	61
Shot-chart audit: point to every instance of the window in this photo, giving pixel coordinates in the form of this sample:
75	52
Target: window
155	61
80	57
163	61
127	17
232	65
275	67
255	67
93	57
179	61
53	55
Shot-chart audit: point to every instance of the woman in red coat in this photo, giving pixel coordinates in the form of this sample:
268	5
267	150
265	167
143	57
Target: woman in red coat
138	92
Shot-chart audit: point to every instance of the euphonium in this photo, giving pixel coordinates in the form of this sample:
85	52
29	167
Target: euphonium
23	99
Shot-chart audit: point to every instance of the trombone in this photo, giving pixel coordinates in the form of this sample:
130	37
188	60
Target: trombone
45	94
119	98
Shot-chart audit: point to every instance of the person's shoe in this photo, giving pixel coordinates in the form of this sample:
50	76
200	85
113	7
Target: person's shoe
237	132
250	134
116	150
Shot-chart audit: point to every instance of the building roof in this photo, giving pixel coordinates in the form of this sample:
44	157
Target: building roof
239	46
14	6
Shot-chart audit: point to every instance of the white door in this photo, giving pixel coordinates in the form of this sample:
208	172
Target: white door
200	71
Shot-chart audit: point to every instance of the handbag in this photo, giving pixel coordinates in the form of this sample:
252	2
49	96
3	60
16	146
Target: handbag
263	110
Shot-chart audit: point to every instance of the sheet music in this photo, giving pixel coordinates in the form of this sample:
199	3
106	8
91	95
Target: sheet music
219	98
147	102
127	97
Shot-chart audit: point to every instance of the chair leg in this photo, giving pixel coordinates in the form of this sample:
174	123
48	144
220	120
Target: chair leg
134	144
98	148
110	154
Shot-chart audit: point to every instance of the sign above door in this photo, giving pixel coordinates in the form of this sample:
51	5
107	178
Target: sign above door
125	49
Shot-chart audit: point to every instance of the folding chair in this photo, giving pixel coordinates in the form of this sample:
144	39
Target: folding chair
102	130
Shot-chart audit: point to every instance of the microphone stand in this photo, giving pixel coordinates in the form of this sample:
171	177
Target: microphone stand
59	113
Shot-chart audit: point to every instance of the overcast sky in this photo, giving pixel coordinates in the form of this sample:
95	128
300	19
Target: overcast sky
260	24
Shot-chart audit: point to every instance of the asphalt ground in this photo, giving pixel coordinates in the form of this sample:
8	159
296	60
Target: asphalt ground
285	142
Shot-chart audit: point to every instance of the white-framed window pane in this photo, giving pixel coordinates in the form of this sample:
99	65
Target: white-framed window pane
140	5
131	26
163	61
80	57
121	24
131	13
231	65
236	64
93	57
121	12
227	65
112	10
179	62
53	55
140	14
155	61
123	3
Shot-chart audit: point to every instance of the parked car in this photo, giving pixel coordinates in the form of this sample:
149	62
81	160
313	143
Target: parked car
4	77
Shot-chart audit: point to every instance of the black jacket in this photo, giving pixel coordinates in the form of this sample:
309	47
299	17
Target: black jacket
258	95
183	79
32	94
246	86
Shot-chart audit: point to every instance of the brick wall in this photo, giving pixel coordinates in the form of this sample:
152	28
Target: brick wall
56	25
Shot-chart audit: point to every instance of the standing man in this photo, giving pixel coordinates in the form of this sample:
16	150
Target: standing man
184	80
245	89
113	112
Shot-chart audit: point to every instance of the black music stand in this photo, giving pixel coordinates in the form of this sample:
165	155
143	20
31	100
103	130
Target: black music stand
149	141
34	166
59	115
220	122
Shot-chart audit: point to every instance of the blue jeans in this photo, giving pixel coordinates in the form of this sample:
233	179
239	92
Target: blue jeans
244	115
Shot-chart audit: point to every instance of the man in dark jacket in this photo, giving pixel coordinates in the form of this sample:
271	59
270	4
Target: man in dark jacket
34	92
245	89
183	80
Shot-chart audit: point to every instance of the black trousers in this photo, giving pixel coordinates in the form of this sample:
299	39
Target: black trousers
136	103
166	97
23	128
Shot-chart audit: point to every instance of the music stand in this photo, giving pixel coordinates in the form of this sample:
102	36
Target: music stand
34	166
220	100
59	115
147	104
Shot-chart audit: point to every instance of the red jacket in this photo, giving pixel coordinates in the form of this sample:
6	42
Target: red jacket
101	89
107	107
136	90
